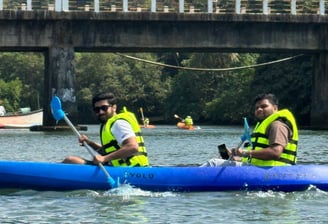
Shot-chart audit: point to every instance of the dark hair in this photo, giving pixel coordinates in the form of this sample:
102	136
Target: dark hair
111	99
267	96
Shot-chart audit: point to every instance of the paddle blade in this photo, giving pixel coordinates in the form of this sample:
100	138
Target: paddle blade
56	108
110	179
112	182
246	137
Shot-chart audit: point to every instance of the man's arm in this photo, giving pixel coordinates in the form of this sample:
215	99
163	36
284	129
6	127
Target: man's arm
128	148
125	137
279	134
83	138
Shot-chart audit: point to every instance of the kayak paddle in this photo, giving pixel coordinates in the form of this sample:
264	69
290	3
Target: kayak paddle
142	116
59	114
246	137
176	116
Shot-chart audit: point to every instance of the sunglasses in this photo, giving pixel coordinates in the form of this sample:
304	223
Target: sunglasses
103	108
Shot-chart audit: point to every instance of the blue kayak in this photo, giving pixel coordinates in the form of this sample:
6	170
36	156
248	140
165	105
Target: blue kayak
66	177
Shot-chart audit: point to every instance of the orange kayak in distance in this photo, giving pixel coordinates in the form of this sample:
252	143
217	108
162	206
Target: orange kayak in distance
182	125
148	126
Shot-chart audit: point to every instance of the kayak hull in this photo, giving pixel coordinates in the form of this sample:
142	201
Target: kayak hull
23	120
182	125
64	177
148	126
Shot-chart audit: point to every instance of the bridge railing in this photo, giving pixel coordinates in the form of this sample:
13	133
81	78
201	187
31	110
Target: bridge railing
178	6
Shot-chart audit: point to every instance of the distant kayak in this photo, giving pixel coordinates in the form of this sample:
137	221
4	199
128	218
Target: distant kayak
182	125
147	126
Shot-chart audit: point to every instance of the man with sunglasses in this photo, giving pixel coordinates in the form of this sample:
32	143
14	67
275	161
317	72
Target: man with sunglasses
121	140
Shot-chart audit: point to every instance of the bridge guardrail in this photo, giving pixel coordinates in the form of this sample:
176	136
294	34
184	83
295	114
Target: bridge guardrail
180	6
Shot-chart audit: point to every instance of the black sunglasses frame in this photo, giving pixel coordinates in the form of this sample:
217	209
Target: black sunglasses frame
102	107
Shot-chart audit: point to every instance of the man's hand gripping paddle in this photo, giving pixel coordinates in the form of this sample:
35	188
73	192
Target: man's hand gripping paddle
59	114
246	137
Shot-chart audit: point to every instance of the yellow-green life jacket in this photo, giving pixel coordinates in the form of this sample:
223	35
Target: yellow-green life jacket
260	140
189	121
110	144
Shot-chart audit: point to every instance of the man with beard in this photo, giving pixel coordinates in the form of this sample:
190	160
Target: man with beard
121	141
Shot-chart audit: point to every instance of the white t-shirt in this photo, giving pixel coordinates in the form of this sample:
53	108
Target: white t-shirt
2	111
122	130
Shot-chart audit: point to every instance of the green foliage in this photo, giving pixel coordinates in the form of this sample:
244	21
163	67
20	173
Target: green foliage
290	81
212	96
136	84
10	93
216	97
29	68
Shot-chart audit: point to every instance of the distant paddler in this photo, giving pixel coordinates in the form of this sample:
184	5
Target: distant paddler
145	120
2	108
186	123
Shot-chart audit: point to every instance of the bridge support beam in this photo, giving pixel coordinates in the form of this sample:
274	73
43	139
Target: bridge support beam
319	107
60	80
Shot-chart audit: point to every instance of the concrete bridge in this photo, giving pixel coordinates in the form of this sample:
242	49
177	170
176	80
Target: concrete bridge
59	33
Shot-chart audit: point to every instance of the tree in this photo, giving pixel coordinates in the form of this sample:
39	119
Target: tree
230	104
136	84
29	69
212	95
10	93
290	81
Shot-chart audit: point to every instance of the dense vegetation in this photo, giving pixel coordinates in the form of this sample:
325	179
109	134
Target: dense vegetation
217	96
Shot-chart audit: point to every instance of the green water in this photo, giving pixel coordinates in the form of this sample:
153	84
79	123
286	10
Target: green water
166	145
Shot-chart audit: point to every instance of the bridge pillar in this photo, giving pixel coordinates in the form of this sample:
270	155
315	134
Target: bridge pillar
60	80
58	5
29	5
181	6
322	7
96	5
319	107
265	8
153	5
210	6
238	6
125	6
293	7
